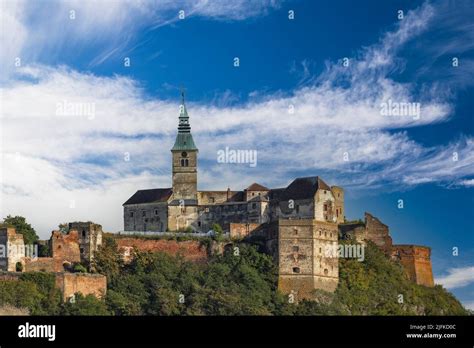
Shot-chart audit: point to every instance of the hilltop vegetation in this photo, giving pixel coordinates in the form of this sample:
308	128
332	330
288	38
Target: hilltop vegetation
240	282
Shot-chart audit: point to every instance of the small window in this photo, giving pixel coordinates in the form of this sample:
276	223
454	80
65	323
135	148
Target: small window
131	214
143	213
144	227
325	207
212	199
325	234
324	191
296	248
254	205
186	162
83	233
326	271
297	209
296	270
199	223
320	250
319	232
156	211
295	230
59	247
253	194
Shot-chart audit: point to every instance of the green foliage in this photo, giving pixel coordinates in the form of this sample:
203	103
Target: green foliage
242	281
43	250
47	296
22	227
78	268
245	283
85	305
107	259
218	232
372	287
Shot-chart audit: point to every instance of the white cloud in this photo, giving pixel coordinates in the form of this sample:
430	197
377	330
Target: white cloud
55	159
469	305
457	277
40	31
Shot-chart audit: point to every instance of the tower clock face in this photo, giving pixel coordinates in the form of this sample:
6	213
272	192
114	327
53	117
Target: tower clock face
184	154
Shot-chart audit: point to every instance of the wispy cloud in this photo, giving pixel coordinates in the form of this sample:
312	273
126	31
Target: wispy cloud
457	277
41	31
83	167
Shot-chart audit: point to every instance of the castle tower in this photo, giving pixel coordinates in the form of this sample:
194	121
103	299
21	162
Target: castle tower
338	193
307	257
184	159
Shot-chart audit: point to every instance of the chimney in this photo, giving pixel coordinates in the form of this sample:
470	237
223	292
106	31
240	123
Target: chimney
228	193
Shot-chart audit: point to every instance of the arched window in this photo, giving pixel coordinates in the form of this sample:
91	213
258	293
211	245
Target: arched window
186	162
182	162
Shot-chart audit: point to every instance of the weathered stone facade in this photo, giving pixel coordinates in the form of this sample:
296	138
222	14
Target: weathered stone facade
372	229
86	284
89	238
191	250
416	261
304	262
12	249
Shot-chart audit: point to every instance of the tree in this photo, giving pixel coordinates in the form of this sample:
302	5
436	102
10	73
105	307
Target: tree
22	227
85	305
107	259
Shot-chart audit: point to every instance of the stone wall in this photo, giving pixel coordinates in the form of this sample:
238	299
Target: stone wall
378	233
242	230
86	284
191	250
70	283
41	264
416	262
89	238
146	217
12	248
64	249
373	229
302	260
338	194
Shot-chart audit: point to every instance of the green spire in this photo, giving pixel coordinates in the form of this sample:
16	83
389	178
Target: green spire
184	139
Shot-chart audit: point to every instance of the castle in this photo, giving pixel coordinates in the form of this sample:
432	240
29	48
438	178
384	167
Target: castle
300	222
298	225
77	246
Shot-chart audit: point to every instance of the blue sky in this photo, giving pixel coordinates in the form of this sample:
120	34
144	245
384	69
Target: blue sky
60	167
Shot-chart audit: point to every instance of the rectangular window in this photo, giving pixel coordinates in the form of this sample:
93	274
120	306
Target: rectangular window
297	209
296	270
143	213
212	199
131	214
325	207
296	248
